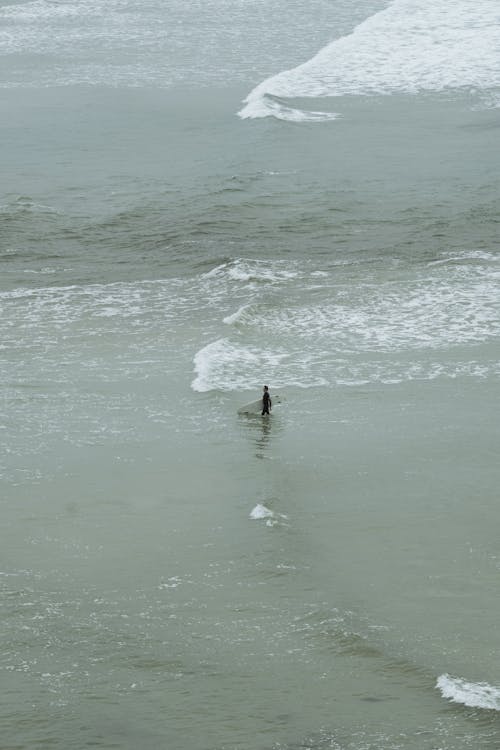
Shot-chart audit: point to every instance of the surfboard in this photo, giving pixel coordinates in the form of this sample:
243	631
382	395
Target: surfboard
255	407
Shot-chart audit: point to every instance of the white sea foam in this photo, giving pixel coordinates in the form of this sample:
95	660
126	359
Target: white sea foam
340	335
70	304
430	313
410	46
211	361
249	270
472	694
260	511
222	365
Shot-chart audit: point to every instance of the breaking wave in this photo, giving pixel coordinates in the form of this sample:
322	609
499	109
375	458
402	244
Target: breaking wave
409	47
471	694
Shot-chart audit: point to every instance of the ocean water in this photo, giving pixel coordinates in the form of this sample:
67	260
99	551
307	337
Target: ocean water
197	199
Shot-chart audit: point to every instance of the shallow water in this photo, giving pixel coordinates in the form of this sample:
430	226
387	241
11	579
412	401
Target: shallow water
176	574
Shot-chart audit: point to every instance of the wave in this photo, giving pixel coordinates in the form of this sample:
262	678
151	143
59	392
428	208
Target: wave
248	270
222	365
301	329
256	315
432	314
269	105
225	366
23	205
304	327
472	694
409	47
238	317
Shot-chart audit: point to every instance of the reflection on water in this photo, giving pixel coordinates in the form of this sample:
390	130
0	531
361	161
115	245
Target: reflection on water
261	430
262	441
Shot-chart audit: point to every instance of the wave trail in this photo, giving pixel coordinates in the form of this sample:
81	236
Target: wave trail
410	46
472	694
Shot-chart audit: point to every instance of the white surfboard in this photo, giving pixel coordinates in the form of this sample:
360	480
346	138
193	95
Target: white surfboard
255	407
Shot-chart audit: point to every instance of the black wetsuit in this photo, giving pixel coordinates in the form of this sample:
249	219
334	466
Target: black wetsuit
266	403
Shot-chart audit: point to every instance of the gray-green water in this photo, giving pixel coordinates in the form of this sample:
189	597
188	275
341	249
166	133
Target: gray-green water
176	575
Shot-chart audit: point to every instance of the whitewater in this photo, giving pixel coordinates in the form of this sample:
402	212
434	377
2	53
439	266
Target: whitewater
410	47
176	570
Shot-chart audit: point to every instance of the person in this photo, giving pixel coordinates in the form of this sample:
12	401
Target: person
267	404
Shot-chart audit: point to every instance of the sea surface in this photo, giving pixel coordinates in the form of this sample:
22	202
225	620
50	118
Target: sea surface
197	199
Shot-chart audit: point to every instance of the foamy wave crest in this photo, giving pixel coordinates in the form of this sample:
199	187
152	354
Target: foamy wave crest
238	317
267	105
472	694
411	46
224	366
244	270
253	314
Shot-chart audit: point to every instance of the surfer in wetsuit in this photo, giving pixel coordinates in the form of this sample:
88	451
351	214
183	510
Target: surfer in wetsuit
267	404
